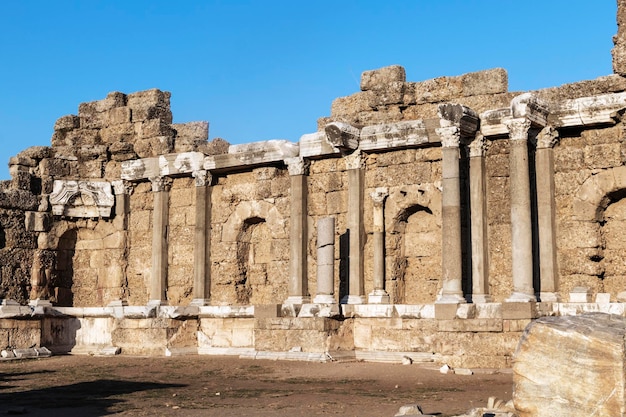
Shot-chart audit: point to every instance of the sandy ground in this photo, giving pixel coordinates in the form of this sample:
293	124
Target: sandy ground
225	386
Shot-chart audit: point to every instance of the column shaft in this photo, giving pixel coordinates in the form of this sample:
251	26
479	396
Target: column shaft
160	218
521	223
379	295
356	288
325	261
202	241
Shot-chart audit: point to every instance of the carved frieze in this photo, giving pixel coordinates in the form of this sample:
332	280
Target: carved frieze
81	198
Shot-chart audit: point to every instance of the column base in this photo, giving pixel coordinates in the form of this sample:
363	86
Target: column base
324	299
520	297
156	303
297	299
451	299
378	297
481	298
550	297
353	299
200	302
34	303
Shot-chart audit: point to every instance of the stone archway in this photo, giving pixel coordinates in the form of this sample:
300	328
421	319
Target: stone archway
413	244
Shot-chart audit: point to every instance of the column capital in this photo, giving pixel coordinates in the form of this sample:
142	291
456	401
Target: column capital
342	135
354	160
478	147
531	107
547	138
518	128
122	187
450	136
160	183
297	165
379	195
202	177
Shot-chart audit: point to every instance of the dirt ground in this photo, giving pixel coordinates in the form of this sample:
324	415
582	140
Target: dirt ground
226	386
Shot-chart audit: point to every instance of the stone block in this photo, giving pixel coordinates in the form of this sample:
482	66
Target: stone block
267	311
492	81
119	115
66	123
571	366
37	222
445	311
519	310
580	295
381	78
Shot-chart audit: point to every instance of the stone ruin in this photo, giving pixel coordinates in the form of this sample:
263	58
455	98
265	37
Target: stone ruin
427	220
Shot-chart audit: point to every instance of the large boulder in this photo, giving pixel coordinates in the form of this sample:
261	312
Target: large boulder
571	366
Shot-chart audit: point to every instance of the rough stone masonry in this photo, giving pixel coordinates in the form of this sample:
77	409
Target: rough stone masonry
460	211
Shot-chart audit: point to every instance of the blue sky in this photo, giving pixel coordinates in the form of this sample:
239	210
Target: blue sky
259	70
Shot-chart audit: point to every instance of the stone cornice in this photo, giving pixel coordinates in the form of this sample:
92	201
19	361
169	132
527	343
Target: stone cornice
463	117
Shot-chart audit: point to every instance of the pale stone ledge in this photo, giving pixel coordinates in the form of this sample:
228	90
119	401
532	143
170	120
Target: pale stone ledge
394	135
163	165
253	154
82	198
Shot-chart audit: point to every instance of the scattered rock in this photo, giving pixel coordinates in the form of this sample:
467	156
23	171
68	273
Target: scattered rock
445	369
406	360
463	371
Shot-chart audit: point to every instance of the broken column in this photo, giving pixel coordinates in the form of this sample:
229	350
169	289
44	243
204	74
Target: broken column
202	239
478	210
521	225
356	290
325	261
546	213
160	218
379	295
298	280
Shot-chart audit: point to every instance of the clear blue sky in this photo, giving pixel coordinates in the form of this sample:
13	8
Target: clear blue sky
259	70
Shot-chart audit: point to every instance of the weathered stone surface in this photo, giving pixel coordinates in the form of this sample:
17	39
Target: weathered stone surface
381	78
619	50
569	366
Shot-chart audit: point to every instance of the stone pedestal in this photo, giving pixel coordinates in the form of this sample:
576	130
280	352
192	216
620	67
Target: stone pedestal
325	261
202	240
521	225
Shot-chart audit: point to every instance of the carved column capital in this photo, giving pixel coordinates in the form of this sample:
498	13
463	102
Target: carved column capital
297	166
379	195
518	128
160	183
122	187
354	160
478	147
450	136
202	177
547	138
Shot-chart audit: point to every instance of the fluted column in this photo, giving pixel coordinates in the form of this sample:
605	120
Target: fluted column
298	277
478	212
160	221
544	167
521	222
379	295
451	255
202	239
356	290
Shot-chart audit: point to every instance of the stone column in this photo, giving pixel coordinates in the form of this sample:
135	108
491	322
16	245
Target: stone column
122	190
325	261
544	167
478	210
202	239
451	256
356	288
160	221
298	275
521	226
379	295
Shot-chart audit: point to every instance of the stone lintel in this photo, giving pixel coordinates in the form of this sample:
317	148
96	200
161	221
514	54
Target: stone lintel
252	154
586	111
394	135
491	122
529	106
463	117
342	135
316	145
163	165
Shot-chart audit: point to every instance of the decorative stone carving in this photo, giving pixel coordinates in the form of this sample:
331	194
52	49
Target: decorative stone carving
202	177
160	184
547	138
379	195
354	160
518	128
463	117
478	147
342	135
531	107
122	187
82	198
297	166
450	136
